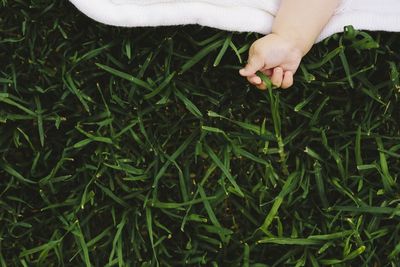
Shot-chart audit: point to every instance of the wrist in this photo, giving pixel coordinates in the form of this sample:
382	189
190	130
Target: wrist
297	42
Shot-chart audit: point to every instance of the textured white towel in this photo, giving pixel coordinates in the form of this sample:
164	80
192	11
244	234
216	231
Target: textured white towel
235	15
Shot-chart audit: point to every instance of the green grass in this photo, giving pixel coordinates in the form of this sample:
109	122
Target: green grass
139	147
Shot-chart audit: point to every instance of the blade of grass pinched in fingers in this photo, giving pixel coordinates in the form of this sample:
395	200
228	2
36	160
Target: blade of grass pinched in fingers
275	107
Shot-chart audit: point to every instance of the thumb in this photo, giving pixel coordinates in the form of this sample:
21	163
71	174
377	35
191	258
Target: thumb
254	64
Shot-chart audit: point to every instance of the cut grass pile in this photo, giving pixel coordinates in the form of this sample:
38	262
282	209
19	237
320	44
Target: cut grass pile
138	147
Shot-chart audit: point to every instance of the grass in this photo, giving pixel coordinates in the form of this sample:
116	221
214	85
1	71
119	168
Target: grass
144	147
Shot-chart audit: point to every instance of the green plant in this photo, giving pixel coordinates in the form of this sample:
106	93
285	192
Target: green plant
138	147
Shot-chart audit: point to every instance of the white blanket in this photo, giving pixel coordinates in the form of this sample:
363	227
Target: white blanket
235	15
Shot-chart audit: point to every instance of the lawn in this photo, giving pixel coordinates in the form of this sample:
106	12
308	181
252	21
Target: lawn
144	147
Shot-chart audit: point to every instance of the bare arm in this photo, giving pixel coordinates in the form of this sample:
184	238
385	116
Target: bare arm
302	21
297	25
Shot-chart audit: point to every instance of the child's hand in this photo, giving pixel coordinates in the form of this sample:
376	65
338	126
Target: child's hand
275	56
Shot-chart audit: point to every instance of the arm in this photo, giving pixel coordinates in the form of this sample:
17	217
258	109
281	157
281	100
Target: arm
297	25
302	21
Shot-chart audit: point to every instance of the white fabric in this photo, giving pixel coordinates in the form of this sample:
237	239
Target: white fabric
235	15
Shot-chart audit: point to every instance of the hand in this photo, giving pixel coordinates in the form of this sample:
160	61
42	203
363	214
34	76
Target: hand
276	57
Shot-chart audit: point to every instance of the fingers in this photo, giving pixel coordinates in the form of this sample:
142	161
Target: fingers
254	64
277	77
287	80
254	79
262	86
267	72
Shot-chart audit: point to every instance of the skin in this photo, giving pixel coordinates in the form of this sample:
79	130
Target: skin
296	27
